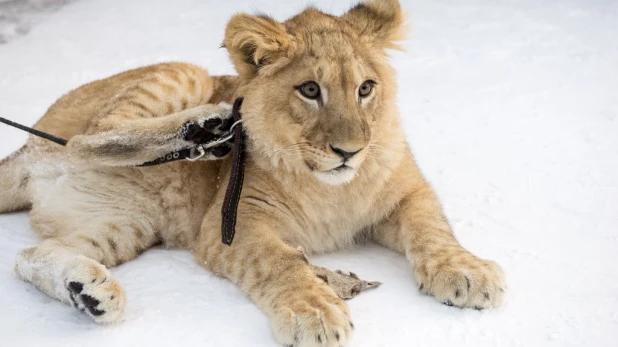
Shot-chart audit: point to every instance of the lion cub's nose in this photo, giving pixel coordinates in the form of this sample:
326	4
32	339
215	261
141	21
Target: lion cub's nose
345	154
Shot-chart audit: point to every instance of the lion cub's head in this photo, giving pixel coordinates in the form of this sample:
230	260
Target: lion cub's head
317	88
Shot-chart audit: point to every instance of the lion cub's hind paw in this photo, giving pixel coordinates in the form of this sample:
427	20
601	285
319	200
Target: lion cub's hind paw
93	290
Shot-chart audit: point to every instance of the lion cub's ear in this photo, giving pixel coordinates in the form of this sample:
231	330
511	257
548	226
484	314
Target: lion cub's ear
255	43
381	22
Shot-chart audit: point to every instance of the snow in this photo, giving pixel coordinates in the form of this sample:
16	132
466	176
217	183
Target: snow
17	16
511	107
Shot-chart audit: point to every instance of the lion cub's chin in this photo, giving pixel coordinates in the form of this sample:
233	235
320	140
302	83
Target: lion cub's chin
337	176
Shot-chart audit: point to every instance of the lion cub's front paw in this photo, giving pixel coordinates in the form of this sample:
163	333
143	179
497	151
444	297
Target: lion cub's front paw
311	317
464	281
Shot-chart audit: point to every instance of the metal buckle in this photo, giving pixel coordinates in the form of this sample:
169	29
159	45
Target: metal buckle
224	139
202	148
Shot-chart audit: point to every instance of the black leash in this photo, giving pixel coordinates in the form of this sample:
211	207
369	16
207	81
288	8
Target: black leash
38	133
234	187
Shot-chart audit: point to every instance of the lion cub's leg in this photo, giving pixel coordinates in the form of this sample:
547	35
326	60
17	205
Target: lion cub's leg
72	267
442	267
302	308
137	141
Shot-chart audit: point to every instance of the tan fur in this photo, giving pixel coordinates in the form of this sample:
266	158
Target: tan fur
92	211
13	194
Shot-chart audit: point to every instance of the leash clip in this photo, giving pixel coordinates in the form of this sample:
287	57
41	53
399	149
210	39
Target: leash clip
200	149
224	139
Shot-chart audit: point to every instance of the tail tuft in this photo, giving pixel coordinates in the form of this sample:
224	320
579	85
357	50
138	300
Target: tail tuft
13	183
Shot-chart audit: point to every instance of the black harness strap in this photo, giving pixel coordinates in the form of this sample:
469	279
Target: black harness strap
170	157
234	187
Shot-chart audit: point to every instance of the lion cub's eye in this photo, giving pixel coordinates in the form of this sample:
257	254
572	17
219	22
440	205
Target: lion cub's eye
366	88
310	90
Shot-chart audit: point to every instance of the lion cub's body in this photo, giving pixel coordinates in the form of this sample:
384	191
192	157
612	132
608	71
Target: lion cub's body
110	214
92	210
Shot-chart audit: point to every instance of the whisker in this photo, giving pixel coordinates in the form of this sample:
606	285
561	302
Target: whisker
380	161
290	146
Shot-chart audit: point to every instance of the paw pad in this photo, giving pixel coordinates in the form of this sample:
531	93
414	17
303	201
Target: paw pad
76	287
205	131
471	282
91	289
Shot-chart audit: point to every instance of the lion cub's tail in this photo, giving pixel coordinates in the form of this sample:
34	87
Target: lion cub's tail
13	182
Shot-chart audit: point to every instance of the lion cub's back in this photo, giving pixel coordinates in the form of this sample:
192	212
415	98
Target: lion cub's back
145	92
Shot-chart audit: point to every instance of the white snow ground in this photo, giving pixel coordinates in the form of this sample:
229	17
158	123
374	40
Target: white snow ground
511	107
18	16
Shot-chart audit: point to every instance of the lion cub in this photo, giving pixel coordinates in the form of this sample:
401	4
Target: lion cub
327	159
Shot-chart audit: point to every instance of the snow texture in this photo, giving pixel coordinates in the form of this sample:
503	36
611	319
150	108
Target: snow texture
17	16
511	107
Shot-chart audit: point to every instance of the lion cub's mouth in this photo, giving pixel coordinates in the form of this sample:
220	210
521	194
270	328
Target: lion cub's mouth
340	175
340	168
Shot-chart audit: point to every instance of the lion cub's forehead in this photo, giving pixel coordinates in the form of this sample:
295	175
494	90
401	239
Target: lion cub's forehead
336	62
330	53
330	44
321	34
329	47
336	69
